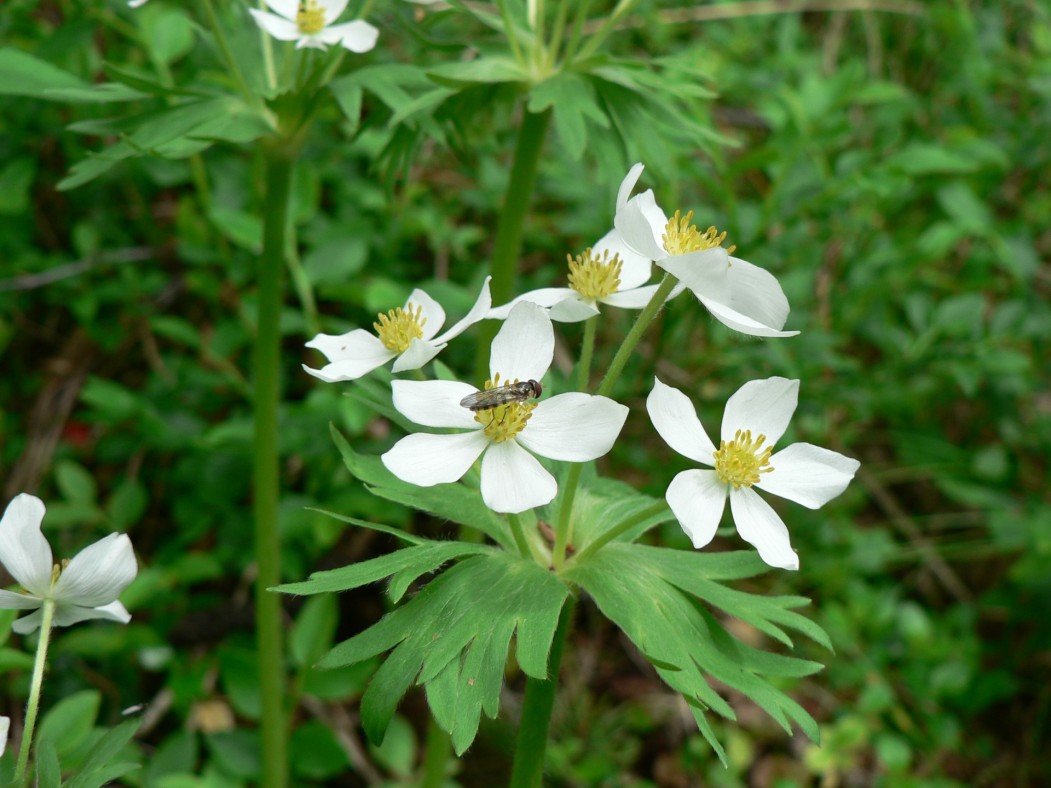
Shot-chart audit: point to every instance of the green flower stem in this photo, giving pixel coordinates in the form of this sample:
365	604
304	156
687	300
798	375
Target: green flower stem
632	339
37	682
268	53
528	769
564	529
608	25
435	756
605	538
280	159
228	55
519	534
587	352
508	243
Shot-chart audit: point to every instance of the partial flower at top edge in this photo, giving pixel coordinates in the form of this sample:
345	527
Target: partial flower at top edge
571	427
310	24
408	334
740	295
84	588
755	418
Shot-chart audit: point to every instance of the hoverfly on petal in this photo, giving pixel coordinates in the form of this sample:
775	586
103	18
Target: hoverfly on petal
502	395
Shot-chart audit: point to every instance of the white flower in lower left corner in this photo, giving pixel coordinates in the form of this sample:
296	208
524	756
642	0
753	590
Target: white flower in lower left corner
84	588
5	724
571	427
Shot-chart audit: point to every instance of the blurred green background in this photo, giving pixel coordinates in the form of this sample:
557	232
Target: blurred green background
887	161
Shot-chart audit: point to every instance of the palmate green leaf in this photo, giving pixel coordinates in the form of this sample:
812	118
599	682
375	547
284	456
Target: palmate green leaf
453	638
573	102
453	502
405	565
682	639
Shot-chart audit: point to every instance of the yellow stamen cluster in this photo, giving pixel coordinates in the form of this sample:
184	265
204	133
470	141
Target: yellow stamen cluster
681	236
740	461
399	327
594	276
503	422
310	18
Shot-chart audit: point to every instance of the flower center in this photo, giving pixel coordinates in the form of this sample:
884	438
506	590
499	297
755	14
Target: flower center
681	236
503	422
740	461
310	18
593	276
399	327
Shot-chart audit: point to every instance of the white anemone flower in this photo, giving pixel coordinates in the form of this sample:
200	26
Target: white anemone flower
607	273
309	24
756	416
740	295
407	333
5	726
85	588
137	3
571	427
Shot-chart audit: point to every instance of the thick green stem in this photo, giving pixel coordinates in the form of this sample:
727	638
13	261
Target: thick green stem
279	163
508	244
528	769
36	684
605	538
435	757
635	334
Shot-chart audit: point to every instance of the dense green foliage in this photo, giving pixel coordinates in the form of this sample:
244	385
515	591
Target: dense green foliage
889	168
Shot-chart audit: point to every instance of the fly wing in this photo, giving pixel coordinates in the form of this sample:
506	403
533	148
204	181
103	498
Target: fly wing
481	400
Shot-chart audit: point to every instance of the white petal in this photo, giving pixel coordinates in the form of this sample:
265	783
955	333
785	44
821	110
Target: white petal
352	355
23	548
573	310
286	8
759	525
763	406
332	9
513	480
357	36
279	28
546	297
68	615
641	224
697	498
131	4
676	421
631	299
627	186
524	345
315	41
635	269
418	353
427	460
808	474
98	573
574	427
9	600
5	722
706	273
27	624
740	295
476	313
431	312
354	345
434	403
